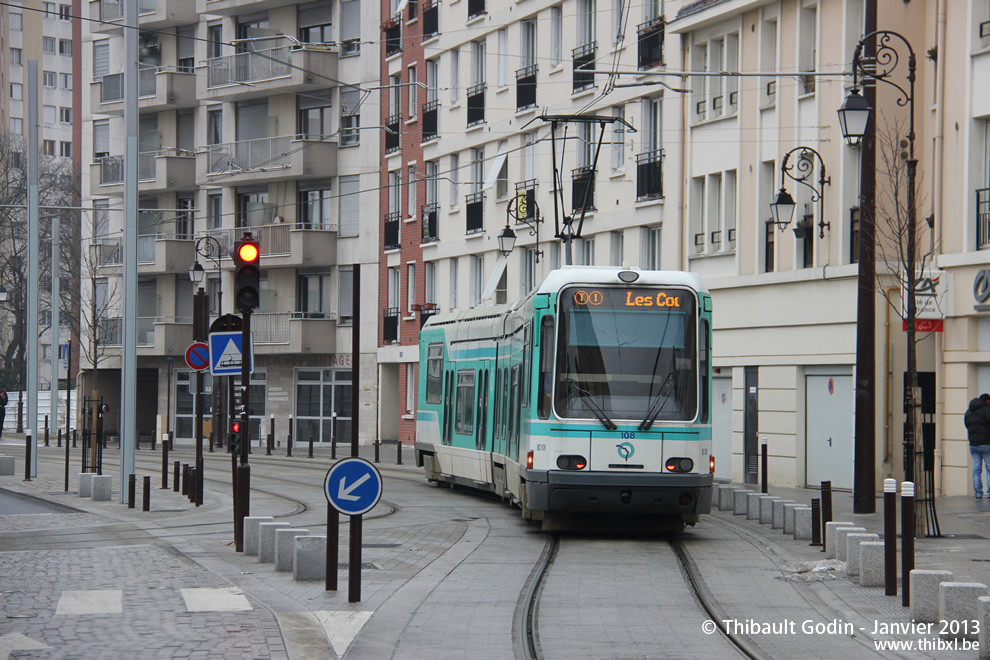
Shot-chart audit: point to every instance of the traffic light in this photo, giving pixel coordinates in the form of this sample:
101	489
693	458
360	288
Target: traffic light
234	439
246	255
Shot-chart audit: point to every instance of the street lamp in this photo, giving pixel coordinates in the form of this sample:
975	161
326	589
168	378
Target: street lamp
853	119
506	241
197	273
782	208
523	210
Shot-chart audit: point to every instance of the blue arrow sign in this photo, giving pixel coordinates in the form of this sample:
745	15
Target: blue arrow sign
226	352
353	486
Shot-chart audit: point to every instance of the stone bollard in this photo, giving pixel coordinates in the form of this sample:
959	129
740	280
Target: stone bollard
983	617
789	517
957	602
266	540
830	537
100	487
924	594
840	540
852	551
85	484
310	562
739	502
871	564
802	523
285	547
251	533
778	513
726	497
6	466
753	505
766	508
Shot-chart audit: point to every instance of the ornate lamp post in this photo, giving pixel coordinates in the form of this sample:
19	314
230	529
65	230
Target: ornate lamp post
782	208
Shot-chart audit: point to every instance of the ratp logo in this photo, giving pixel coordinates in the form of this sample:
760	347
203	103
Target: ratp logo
626	450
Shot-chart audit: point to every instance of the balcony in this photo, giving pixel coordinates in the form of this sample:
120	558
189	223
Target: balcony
476	104
390	325
107	253
393	133
284	158
431	20
290	333
282	70
156	335
158	171
285	245
983	218
107	16
526	201
159	88
240	7
584	66
475	8
475	216
392	32
582	189
430	111
391	235
649	175
650	39
526	87
431	222
425	314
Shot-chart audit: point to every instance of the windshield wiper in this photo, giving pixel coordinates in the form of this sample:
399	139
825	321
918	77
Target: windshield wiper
658	403
594	407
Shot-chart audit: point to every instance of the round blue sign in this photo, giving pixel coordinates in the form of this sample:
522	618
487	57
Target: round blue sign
353	486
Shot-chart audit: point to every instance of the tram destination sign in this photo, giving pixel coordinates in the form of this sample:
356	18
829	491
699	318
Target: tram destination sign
629	298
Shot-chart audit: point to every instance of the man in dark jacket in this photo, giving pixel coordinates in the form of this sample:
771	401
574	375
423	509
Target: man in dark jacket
977	420
3	408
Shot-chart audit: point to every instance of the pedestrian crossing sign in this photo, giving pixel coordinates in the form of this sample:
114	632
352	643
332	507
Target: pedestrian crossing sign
226	354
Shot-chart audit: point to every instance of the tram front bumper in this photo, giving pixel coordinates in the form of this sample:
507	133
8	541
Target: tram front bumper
619	493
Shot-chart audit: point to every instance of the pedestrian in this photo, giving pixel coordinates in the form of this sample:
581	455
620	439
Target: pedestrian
977	420
3	408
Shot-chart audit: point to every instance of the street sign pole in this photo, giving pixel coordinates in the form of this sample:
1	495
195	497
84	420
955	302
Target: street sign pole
198	324
354	559
353	486
243	485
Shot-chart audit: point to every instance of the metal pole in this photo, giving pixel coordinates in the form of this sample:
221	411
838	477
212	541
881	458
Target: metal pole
333	547
890	537
146	504
66	462
198	313
68	385
764	462
907	541
56	343
33	169
356	372
175	477
310	445
243	504
826	509
398	453
333	437
27	456
354	559
377	444
164	461
46	432
271	436
131	487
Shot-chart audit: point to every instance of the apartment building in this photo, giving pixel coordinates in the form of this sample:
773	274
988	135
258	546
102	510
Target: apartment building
252	118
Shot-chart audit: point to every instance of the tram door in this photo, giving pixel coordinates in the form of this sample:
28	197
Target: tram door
722	427
828	431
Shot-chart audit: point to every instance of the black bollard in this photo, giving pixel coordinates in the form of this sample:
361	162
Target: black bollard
131	485
175	478
890	537
288	444
764	463
816	521
171	440
146	505
60	437
46	431
907	541
211	442
333	437
398	453
826	509
271	436
377	446
27	456
185	478
164	464
311	445
154	442
66	464
73	438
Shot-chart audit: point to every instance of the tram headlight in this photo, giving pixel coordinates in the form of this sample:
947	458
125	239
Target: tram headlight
678	464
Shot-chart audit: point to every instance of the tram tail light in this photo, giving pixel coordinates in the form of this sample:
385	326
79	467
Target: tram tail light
711	463
679	464
571	462
529	459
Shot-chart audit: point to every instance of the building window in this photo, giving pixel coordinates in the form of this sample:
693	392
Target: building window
453	177
477	262
65	47
314	208
15	22
410	379
452	282
16	125
65	12
214	211
410	287
652	245
411	183
49	147
214	126
65	115
350	29
618	139
66	81
808	48
315	116
350	117
48	45
527	270
349	210
65	149
315	21
618	246
854	235
48	114
16	57
413	92
430	282
321	397
455	73
556	35
48	9
503	57
345	308
314	293
49	79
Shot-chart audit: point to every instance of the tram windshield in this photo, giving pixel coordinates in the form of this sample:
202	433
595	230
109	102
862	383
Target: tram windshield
627	353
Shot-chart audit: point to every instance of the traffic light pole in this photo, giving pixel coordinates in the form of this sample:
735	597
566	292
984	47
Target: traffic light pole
243	485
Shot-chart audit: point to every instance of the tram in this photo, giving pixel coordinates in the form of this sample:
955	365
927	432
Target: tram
590	397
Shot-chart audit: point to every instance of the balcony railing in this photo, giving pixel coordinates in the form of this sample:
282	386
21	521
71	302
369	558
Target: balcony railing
112	85
983	218
431	221
649	175
392	223
525	200
584	66
431	20
582	189
271	152
392	28
475	215
248	67
430	112
270	327
110	331
425	314
111	169
108	251
392	133
274	238
650	43
476	104
390	325
111	10
475	8
526	87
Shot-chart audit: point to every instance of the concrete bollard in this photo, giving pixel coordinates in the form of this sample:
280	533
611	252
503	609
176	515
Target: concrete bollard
957	607
266	540
830	537
6	466
852	551
871	564
285	547
251	533
85	484
766	509
726	497
802	523
924	594
777	507
983	618
753	505
789	517
310	562
739	502
100	487
840	540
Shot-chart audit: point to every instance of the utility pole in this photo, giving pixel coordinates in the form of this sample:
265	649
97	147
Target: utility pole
33	157
55	322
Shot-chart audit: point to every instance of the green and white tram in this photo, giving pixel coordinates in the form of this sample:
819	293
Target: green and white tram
591	396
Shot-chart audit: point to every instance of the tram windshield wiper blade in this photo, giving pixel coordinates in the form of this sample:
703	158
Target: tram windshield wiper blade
592	405
659	401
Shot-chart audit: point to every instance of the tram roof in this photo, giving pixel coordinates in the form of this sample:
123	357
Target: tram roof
565	275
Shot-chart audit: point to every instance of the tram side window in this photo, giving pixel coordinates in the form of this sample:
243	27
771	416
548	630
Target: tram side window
434	373
527	372
464	408
703	357
546	368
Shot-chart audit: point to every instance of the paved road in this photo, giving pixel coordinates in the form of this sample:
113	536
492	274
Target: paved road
12	504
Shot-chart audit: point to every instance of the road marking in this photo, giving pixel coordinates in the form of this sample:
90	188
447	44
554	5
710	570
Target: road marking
342	627
92	601
215	600
18	642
